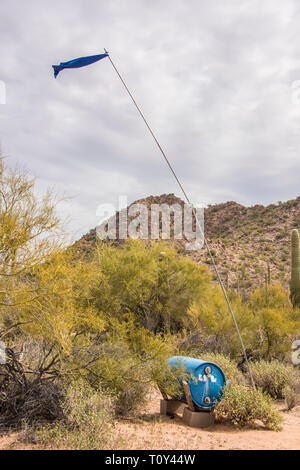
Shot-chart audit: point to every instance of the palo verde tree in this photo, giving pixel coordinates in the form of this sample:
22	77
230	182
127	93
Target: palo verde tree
28	236
275	321
53	331
151	281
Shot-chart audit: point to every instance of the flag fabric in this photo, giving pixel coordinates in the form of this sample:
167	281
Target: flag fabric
75	63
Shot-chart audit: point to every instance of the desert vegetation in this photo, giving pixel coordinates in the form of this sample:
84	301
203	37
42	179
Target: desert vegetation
87	337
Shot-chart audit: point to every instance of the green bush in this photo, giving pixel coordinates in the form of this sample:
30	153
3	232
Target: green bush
272	377
242	406
131	360
123	375
88	421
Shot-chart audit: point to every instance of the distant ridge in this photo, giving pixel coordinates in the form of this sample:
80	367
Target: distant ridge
243	239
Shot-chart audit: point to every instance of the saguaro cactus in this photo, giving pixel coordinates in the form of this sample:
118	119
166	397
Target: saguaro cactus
295	279
268	275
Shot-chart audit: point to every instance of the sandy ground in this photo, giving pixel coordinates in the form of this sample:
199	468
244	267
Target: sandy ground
153	431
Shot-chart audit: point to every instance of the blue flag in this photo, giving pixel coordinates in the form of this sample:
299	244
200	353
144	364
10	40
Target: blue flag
75	63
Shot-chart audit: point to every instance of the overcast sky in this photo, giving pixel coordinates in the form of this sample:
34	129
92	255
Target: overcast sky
217	79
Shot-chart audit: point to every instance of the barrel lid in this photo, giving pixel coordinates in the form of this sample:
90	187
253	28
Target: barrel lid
206	385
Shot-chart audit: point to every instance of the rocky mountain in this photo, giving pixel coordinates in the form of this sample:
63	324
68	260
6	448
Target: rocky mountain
251	245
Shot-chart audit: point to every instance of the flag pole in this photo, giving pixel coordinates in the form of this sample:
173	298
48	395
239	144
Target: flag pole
195	215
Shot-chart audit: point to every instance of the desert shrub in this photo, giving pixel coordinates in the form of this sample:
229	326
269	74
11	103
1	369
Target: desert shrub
291	398
87	424
291	395
27	397
131	360
242	406
123	375
272	377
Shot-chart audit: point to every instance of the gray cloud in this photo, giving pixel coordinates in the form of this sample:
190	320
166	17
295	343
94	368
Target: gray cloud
213	78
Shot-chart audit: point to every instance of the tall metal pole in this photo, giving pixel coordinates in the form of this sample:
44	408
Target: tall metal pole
196	218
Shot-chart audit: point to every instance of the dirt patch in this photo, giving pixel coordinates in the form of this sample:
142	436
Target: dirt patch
152	431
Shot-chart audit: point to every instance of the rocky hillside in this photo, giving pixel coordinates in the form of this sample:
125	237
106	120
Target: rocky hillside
244	240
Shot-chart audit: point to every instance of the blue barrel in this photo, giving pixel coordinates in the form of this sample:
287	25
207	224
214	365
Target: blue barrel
206	382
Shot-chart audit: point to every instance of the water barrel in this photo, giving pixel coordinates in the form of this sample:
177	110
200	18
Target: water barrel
206	382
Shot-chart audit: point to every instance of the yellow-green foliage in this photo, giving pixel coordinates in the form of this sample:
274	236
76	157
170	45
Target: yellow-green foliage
61	318
170	293
109	351
274	321
64	312
213	317
131	360
157	289
273	377
242	406
29	230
